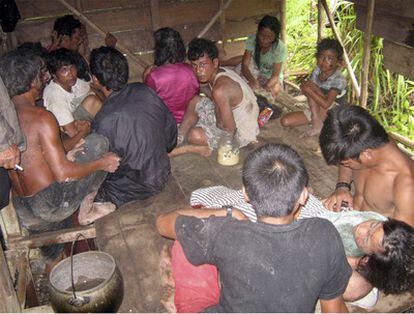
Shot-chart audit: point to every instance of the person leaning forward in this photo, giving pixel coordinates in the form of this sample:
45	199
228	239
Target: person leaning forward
52	185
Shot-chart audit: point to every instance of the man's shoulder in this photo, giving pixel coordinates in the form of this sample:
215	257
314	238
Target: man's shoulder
318	226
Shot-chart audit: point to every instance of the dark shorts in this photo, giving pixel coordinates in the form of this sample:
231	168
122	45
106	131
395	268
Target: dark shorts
51	209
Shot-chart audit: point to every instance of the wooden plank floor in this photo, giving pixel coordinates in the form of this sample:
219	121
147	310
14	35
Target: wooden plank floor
130	236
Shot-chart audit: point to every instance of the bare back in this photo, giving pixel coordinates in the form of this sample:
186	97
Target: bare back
389	188
37	173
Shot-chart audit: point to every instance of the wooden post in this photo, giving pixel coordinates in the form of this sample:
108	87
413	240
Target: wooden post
8	297
213	19
79	5
320	21
121	47
346	58
367	54
155	14
222	24
282	12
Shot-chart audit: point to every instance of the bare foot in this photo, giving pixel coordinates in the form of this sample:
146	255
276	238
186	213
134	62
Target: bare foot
195	149
98	210
167	281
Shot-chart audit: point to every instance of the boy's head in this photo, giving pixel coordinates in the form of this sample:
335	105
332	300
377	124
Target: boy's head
329	54
69	28
348	132
169	47
391	269
275	180
203	55
109	68
23	70
62	67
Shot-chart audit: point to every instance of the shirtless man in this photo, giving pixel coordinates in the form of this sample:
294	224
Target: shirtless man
51	187
383	175
233	107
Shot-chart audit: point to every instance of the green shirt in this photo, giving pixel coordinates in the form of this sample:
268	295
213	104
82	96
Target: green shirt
276	54
345	221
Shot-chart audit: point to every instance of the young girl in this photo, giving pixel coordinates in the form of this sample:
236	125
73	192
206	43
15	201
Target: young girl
325	86
262	62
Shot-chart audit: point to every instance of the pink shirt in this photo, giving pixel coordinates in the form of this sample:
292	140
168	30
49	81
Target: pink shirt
176	85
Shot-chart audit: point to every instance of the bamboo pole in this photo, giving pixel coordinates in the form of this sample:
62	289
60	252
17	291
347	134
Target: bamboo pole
283	20
121	47
367	54
213	19
320	21
222	25
155	14
346	58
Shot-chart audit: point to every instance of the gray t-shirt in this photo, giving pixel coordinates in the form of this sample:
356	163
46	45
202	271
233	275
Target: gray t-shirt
268	268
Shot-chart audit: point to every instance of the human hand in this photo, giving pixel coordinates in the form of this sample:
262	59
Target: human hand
334	202
83	127
84	35
10	157
110	40
110	162
78	148
273	87
56	41
147	70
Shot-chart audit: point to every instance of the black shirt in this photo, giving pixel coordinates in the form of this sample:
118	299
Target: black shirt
268	268
141	130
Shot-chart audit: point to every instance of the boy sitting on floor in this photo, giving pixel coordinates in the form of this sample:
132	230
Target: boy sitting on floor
275	265
69	98
325	86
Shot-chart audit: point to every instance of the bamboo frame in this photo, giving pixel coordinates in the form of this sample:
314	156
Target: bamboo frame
51	237
346	58
320	22
366	55
213	19
283	20
155	15
137	60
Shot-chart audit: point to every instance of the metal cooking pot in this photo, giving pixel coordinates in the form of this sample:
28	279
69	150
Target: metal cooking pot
86	282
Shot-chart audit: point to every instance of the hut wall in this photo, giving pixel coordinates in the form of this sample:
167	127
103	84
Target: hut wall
131	20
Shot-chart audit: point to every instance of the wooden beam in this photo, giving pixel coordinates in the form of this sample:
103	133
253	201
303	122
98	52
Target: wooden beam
122	48
155	15
320	21
22	271
367	55
346	58
222	24
213	19
51	237
282	12
8	297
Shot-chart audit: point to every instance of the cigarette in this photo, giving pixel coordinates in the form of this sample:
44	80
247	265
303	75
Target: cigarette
17	167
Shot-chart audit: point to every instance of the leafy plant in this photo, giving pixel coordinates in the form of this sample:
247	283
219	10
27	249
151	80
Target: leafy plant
391	96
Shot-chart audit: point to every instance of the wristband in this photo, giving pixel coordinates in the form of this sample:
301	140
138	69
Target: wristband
343	185
229	210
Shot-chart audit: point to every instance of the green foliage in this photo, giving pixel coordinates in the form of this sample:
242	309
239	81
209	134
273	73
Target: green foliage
391	96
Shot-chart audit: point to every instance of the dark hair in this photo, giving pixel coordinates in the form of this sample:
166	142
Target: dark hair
19	69
59	58
274	176
271	23
347	132
200	46
66	25
330	44
169	46
110	67
36	47
393	270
